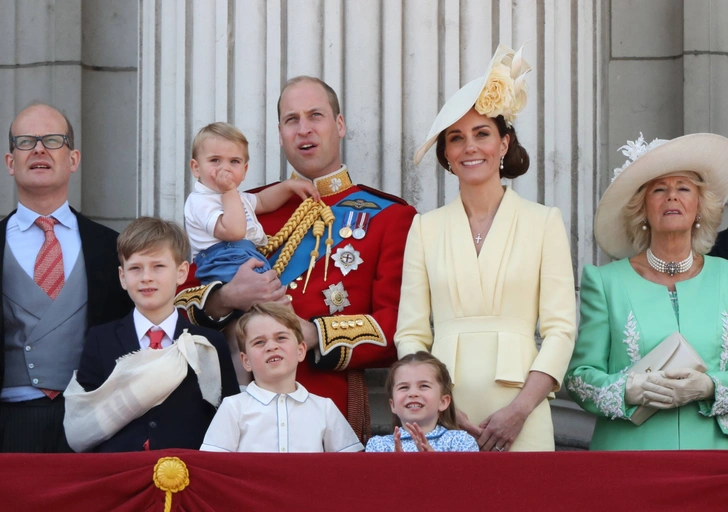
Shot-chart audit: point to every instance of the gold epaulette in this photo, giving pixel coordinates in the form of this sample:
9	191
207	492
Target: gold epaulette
346	332
195	297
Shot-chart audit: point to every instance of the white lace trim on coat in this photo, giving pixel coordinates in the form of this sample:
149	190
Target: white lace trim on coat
723	422
632	338
724	337
608	399
720	406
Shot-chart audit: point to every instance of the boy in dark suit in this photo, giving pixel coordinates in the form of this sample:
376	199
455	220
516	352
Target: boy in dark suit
151	380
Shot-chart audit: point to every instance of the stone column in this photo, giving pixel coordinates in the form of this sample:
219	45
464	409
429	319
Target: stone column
79	56
705	49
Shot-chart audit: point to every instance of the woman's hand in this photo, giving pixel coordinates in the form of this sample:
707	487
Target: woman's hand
640	390
501	428
465	424
685	384
421	442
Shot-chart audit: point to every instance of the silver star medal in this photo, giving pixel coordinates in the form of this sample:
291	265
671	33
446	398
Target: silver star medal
347	259
336	298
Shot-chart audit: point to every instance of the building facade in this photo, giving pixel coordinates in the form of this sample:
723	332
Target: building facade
138	79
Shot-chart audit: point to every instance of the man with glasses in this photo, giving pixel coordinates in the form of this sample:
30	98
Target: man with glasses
59	276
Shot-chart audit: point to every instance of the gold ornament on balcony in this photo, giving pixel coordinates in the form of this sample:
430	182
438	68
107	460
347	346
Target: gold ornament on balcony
170	475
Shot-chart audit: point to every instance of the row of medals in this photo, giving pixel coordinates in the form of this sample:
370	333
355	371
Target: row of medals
355	227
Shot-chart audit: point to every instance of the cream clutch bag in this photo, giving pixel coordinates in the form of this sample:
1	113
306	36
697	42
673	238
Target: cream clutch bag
673	352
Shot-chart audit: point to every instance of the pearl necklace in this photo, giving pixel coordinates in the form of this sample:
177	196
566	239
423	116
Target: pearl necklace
672	267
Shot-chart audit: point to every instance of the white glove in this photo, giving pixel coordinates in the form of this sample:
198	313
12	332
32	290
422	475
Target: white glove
640	391
686	386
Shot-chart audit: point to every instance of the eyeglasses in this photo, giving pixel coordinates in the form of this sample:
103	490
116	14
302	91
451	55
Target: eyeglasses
51	141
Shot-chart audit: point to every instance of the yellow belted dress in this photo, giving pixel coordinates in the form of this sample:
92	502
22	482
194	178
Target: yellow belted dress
486	308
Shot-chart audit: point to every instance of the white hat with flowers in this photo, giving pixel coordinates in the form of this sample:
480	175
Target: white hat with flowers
705	154
501	91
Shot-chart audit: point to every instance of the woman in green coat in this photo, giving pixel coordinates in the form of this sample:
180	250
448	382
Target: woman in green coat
658	218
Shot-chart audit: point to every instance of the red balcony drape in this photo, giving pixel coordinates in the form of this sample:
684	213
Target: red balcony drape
370	482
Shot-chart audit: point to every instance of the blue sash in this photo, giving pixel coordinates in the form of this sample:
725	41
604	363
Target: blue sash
360	201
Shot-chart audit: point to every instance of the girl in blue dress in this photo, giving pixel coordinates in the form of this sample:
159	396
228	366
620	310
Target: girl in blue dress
420	395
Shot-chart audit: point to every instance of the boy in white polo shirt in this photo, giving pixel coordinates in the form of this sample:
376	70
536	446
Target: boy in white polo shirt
275	413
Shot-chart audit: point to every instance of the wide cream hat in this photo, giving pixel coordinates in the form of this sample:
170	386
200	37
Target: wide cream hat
702	153
500	91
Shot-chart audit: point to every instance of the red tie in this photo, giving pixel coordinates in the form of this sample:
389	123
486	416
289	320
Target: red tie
155	342
155	338
48	270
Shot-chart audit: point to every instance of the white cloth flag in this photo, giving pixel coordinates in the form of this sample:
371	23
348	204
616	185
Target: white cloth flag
140	381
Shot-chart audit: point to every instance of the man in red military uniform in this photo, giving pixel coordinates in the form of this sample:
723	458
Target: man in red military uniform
339	261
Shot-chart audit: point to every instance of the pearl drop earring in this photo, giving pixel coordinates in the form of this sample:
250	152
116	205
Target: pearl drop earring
697	221
644	225
501	164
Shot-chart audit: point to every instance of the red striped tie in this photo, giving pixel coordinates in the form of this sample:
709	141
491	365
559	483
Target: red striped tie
48	271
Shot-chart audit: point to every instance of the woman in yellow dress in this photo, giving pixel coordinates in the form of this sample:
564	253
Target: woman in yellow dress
489	267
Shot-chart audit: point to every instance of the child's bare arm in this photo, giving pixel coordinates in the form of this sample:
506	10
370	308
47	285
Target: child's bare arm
275	196
232	225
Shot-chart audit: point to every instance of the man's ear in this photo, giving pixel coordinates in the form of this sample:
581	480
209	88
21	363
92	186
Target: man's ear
10	163
75	157
341	126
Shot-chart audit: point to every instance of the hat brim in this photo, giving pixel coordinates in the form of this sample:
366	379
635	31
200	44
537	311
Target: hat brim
702	153
460	103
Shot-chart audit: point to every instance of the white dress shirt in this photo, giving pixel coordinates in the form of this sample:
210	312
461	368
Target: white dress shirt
258	420
25	239
142	325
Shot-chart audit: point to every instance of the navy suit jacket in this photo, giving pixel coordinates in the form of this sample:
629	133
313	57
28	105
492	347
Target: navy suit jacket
182	419
720	249
107	300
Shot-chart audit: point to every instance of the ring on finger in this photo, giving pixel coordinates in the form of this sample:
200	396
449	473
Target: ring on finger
499	449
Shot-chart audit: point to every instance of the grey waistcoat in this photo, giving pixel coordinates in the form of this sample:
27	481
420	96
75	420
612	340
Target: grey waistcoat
43	337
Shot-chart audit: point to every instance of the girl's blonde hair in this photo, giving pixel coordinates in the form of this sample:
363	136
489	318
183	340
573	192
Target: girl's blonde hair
710	209
447	417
